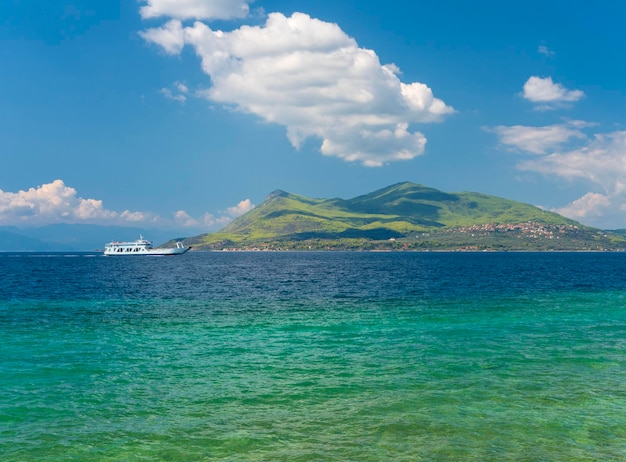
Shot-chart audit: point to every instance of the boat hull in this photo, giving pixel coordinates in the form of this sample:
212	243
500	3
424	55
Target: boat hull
145	252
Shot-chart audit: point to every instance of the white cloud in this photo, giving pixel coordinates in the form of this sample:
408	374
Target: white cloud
599	160
538	140
591	205
184	219
310	77
57	203
138	217
602	161
169	37
195	9
208	220
605	211
239	209
544	90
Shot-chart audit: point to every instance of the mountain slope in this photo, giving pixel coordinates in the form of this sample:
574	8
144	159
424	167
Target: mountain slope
12	241
409	215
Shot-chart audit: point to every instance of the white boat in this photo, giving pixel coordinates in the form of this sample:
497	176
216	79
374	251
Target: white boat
141	247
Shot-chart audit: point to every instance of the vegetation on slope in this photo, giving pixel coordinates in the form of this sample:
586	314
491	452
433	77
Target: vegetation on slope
405	216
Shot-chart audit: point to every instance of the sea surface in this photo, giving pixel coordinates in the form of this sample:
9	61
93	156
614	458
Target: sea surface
314	356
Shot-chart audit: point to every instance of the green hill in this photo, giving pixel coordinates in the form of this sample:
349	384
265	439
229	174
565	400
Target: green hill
405	216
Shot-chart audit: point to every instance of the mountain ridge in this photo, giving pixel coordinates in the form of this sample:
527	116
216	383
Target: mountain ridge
406	216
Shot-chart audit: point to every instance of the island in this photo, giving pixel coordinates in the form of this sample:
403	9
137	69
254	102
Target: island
405	217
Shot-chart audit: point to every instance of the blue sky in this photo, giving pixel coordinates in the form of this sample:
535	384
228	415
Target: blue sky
183	114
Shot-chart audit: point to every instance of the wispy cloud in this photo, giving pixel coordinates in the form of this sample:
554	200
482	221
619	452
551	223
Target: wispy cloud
565	151
544	50
195	9
56	202
538	140
310	77
178	93
166	92
548	94
208	220
600	160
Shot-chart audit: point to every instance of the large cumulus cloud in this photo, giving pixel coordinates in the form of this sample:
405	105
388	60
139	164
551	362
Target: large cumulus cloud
51	203
312	78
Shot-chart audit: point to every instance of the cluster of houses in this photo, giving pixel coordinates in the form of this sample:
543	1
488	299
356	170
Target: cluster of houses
531	229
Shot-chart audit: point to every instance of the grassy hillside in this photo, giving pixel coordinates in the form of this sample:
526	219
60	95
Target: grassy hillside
405	216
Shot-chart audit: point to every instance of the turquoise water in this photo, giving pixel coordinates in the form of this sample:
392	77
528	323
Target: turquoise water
321	356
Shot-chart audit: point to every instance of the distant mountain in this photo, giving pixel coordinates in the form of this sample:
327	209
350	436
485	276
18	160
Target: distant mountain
405	216
71	237
13	241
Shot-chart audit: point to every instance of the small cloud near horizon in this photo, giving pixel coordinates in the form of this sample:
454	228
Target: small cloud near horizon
565	151
56	202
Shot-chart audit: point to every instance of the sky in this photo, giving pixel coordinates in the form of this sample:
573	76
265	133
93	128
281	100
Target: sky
184	114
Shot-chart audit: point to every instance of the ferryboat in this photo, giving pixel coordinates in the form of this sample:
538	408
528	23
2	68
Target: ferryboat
142	247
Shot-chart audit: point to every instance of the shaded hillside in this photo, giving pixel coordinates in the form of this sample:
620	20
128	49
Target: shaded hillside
407	216
12	241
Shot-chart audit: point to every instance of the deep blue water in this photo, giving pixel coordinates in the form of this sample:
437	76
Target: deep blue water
313	356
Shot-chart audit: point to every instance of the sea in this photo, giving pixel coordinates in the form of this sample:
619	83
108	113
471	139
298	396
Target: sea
313	356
